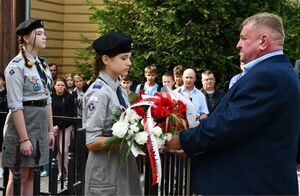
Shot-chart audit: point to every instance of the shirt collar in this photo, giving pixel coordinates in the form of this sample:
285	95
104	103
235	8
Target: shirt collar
182	88
111	82
31	58
254	62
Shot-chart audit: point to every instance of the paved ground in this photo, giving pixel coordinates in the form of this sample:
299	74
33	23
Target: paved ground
45	183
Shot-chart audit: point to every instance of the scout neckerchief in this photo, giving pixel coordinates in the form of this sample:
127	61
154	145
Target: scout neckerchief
119	94
42	74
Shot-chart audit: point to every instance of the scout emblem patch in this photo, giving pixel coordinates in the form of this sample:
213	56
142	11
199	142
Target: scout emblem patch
34	79
91	107
37	87
11	72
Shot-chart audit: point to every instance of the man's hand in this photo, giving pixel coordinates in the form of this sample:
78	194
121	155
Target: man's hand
173	144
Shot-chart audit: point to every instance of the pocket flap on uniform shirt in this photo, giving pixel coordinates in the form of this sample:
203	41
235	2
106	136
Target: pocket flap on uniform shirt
103	189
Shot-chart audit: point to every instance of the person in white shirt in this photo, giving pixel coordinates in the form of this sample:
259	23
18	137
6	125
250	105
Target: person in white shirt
189	91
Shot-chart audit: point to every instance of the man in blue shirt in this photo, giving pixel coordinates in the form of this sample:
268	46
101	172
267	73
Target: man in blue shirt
235	78
189	91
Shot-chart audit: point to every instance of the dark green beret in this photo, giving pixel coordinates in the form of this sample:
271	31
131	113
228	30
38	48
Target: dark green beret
29	25
112	44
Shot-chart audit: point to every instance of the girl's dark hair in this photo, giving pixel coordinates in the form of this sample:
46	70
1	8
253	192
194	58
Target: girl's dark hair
99	65
2	76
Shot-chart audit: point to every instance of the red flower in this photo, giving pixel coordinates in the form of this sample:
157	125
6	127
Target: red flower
142	92
165	101
164	127
139	110
159	112
181	108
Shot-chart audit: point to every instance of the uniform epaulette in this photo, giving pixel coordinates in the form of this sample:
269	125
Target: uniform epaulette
17	59
97	85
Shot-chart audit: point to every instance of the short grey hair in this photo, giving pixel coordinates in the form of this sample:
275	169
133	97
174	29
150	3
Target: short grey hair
270	21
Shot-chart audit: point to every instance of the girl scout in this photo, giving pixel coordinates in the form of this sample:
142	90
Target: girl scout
30	116
104	173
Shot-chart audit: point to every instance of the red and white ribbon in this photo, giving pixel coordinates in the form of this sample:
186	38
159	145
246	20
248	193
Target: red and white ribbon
152	148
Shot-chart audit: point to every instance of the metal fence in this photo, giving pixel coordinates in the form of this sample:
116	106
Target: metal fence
175	170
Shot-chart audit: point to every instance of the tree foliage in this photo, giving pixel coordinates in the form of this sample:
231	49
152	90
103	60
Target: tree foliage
198	34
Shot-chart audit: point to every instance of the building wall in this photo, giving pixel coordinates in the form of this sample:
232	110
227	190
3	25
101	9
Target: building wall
64	21
12	13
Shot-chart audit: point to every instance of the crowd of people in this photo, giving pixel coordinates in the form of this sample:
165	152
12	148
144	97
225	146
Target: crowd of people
235	125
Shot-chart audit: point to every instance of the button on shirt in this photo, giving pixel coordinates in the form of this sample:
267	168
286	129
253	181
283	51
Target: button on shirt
24	83
100	103
197	98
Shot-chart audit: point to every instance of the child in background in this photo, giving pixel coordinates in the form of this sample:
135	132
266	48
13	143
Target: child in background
126	83
168	81
70	82
150	87
177	73
78	93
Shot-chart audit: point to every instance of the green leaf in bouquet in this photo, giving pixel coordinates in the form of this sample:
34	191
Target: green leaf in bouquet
183	122
122	150
167	123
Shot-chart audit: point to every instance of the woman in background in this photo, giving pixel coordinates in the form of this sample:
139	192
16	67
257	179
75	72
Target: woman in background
3	108
62	105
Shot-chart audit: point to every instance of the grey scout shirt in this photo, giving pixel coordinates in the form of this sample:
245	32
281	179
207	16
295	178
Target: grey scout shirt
24	83
100	102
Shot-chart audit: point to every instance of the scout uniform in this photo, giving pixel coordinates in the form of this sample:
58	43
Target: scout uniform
104	173
27	91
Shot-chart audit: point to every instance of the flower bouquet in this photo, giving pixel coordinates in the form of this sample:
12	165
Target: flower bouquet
146	125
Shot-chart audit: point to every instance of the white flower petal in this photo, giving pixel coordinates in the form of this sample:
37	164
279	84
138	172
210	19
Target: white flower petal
119	129
157	131
141	137
168	136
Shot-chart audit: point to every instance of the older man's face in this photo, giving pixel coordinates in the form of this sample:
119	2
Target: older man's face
249	43
189	79
208	81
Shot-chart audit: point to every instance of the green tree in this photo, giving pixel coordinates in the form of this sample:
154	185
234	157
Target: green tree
199	34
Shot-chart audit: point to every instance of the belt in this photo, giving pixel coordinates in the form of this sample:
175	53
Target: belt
36	103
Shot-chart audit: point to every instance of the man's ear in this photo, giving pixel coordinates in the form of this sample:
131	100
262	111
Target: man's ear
264	42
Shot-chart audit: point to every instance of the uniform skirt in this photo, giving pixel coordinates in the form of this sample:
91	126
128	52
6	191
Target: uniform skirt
36	121
105	175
